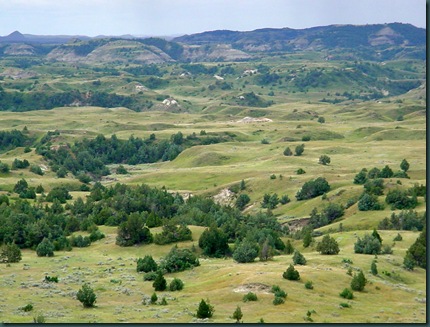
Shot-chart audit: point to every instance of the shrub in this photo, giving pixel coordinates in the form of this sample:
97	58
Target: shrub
36	170
39	319
10	253
205	310
242	201
176	285
298	258
27	308
347	294
121	170
345	305
400	200
398	238
150	276
86	296
367	245
246	251
284	199
374	268
416	255
146	264
361	177
309	285
291	273
288	152
214	242
328	245
321	119
306	138
45	248
369	202
172	234
404	165
278	300
154	298
179	260
324	160
159	283
300	171
299	149
53	279
289	249
250	297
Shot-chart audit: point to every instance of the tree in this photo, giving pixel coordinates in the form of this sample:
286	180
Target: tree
242	201
10	253
374	268
266	251
291	273
361	177
246	251
367	245
307	237
205	310
324	160
133	231
299	149
376	235
328	245
358	282
86	296
20	186
288	152
385	172
176	285
313	188
416	255
369	202
45	248
347	294
179	260
237	314
289	249
60	193
298	258
321	119
214	242
404	165
159	283
146	264
154	298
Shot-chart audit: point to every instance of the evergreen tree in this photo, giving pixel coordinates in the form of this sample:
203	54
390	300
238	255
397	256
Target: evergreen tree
416	255
10	253
214	242
288	152
86	296
159	283
146	264
205	310
404	165
237	314
289	249
291	273
374	268
358	282
307	237
298	258
328	245
300	149
45	248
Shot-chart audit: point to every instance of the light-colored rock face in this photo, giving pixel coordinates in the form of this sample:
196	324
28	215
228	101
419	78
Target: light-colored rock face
19	50
385	35
219	52
115	51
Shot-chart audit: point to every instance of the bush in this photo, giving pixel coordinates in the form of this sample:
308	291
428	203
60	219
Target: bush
289	249
250	297
347	294
398	238
300	171
176	285
278	300
374	268
309	285
299	149
400	200
246	251
416	255
278	292
146	264
291	273
288	152
404	165
345	305
369	202
53	279
214	242
86	296
242	201
179	260
205	310
154	298
367	245
361	177
121	170
328	245
306	138
45	248
150	276
27	308
36	170
237	314
324	160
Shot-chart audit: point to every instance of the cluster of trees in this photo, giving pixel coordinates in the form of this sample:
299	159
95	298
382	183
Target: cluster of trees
11	139
271	201
404	220
364	175
329	213
92	155
298	151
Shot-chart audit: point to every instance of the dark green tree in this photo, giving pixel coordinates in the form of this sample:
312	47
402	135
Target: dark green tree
205	310
358	282
373	268
328	245
242	201
176	285
289	248
237	314
133	231
404	165
298	258
10	253
307	237
159	283
313	188
361	177
45	248
324	160
246	251
214	242
86	296
288	152
416	255
146	264
291	273
299	149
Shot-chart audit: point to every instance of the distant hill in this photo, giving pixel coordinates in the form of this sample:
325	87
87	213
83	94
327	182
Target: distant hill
345	36
343	42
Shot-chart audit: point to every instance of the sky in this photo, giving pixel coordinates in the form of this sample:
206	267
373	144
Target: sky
178	17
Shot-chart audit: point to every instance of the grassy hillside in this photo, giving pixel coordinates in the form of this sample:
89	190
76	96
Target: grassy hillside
275	113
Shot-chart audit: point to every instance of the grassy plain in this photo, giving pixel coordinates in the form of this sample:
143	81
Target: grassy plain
355	135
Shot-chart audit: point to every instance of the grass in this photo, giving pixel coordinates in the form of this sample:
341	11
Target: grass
355	135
